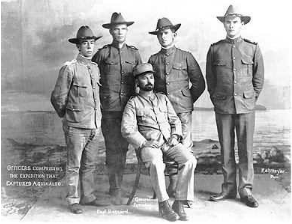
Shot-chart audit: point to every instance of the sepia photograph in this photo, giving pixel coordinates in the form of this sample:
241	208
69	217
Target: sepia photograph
131	111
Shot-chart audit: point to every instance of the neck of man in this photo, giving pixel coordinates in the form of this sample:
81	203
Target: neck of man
146	94
168	47
234	37
118	44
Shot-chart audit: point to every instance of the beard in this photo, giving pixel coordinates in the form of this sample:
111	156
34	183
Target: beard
148	87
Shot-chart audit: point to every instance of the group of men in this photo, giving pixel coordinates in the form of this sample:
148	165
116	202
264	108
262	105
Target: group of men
149	105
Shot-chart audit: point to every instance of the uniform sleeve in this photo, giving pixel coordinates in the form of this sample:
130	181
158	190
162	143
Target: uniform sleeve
97	58
196	77
210	76
173	119
138	58
258	72
129	126
59	95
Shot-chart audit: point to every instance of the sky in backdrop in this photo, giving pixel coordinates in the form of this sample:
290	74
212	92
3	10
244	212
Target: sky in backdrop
35	32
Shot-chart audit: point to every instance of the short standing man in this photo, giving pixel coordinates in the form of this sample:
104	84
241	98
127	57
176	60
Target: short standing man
235	77
174	70
76	100
116	62
151	125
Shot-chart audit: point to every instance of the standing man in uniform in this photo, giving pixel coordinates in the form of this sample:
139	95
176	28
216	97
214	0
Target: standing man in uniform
174	70
116	62
235	78
76	100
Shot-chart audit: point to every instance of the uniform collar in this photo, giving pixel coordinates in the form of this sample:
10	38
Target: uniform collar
168	51
115	45
80	58
235	40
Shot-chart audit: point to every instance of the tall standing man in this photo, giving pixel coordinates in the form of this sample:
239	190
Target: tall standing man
76	100
116	62
174	70
235	78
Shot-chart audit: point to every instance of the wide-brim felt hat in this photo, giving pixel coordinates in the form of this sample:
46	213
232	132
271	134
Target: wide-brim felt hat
117	19
164	23
84	33
140	69
232	11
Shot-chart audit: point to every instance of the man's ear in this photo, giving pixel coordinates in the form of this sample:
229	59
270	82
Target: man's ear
175	34
136	86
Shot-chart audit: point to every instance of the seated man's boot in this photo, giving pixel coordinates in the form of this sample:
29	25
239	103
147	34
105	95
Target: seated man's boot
166	211
178	208
75	208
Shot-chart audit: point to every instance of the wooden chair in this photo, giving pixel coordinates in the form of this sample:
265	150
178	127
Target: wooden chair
171	168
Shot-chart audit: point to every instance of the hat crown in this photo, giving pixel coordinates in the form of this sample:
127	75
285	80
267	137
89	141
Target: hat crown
142	68
163	22
84	32
117	18
232	10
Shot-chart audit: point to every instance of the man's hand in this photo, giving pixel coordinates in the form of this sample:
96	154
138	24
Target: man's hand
151	143
173	140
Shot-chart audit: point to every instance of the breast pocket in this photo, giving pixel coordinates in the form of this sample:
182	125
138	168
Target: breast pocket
111	65
141	116
80	89
179	66
247	65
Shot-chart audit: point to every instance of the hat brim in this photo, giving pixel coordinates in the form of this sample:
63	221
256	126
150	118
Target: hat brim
244	19
77	40
109	25
175	27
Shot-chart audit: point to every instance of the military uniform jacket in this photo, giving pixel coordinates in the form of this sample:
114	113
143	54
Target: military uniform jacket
174	70
145	119
117	80
235	75
76	94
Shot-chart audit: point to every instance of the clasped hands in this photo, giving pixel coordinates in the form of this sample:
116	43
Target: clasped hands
172	141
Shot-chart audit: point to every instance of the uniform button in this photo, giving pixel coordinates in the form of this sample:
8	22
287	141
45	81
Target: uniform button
167	63
233	46
233	58
167	93
167	73
235	94
167	83
235	82
234	69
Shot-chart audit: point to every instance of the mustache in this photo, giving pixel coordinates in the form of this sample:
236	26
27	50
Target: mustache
149	84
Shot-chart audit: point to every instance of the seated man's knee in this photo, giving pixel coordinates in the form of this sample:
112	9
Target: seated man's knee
151	156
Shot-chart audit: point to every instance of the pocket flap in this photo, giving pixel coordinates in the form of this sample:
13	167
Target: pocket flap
248	94
140	113
73	107
130	62
179	66
247	60
186	92
79	84
110	62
